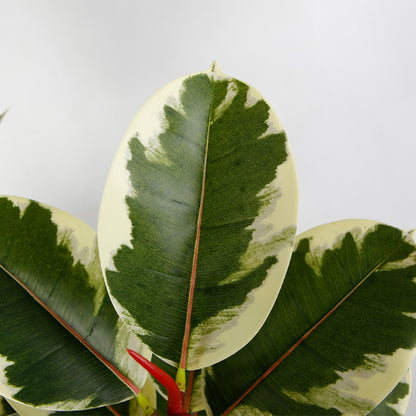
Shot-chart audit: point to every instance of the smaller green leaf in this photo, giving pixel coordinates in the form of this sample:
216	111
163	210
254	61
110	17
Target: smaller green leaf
57	304
341	334
395	404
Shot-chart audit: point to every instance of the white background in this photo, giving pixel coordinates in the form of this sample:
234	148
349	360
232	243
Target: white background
341	75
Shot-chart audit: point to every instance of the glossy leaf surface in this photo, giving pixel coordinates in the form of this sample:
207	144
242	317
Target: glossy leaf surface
60	335
341	334
198	218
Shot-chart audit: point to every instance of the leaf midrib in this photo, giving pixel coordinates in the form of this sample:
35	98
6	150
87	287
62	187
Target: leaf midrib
184	352
382	262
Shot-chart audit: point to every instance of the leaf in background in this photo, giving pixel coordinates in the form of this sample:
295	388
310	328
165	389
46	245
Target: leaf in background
2	115
395	404
198	217
5	408
52	289
341	334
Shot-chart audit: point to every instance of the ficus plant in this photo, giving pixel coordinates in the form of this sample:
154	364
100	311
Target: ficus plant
195	296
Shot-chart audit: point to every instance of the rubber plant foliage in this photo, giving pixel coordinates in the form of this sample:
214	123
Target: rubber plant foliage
196	297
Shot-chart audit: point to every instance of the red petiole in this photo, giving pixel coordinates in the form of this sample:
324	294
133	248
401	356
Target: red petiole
175	402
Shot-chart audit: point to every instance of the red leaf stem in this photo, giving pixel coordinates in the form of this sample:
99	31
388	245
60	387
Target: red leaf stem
175	403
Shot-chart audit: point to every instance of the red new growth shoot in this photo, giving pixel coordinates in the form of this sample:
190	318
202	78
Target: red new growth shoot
175	404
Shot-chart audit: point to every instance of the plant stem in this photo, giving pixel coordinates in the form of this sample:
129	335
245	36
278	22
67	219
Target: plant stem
175	399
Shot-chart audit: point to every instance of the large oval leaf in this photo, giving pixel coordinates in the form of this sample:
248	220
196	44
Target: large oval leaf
198	218
341	334
62	345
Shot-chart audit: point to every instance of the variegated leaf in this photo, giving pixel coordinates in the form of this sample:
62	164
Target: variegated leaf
395	404
341	334
198	218
62	346
128	408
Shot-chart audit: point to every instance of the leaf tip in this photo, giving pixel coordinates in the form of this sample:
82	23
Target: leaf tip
181	379
412	234
145	405
3	114
214	67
